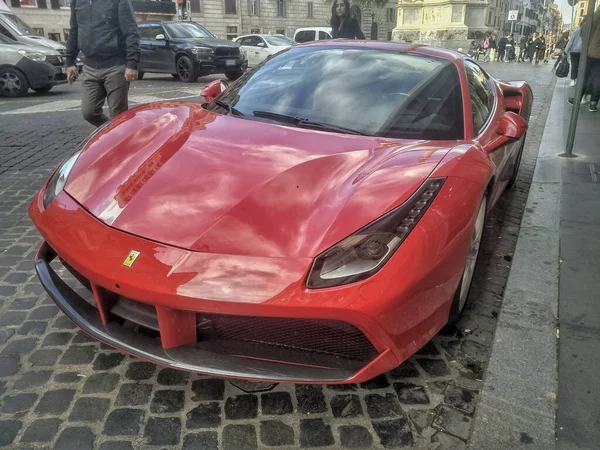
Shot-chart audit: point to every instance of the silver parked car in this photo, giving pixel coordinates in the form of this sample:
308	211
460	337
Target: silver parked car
28	66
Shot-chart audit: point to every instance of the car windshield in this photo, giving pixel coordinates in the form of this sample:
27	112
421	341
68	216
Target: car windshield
20	27
183	30
369	91
279	41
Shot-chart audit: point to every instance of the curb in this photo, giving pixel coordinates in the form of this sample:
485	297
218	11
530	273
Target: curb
517	407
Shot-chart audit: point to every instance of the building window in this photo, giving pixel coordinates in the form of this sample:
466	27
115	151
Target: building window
281	8
230	7
389	36
254	30
280	31
64	3
196	6
391	15
310	10
29	3
232	33
39	31
66	33
490	17
254	7
54	36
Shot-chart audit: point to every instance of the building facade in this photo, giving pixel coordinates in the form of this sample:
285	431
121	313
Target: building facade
581	8
456	23
227	19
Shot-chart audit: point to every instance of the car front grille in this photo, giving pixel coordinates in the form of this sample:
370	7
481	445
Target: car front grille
63	52
318	342
227	51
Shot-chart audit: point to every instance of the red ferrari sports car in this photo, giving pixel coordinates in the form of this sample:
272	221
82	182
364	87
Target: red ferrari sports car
318	221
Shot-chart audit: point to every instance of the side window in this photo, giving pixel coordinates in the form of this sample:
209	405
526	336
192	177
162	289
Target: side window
323	36
253	41
305	36
150	32
244	41
481	92
6	33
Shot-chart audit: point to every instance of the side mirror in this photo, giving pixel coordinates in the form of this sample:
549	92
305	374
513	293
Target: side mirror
160	37
262	45
512	127
213	89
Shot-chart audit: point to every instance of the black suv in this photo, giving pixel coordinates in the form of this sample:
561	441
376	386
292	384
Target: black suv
187	50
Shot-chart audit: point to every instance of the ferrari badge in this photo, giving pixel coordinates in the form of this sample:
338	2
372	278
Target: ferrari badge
133	254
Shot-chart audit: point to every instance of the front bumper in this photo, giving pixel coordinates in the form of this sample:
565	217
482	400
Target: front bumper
41	73
220	65
169	320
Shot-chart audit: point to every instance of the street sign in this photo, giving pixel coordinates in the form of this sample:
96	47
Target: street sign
513	15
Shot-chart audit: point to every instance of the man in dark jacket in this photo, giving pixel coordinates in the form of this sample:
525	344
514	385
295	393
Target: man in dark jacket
106	32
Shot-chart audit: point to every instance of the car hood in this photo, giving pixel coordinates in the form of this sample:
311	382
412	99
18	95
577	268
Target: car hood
206	42
178	174
41	41
32	48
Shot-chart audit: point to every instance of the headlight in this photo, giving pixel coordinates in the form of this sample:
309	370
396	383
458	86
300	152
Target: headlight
35	56
242	53
60	177
202	50
363	253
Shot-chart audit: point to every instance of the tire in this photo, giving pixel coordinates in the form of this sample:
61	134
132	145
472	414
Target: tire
141	75
232	76
44	89
185	70
462	291
515	174
13	83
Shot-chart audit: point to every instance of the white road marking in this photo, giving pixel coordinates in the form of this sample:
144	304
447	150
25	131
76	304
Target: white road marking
68	105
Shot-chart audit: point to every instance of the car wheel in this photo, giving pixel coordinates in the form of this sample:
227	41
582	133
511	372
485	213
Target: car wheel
462	291
513	177
232	76
185	70
140	75
13	83
43	90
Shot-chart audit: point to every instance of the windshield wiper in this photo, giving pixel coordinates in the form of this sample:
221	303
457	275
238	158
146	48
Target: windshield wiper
228	107
305	123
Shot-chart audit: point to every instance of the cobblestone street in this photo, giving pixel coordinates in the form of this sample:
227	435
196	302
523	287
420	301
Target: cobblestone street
59	389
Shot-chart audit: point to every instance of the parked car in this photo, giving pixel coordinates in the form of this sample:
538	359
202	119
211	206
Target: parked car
28	66
302	226
259	47
15	28
312	34
187	50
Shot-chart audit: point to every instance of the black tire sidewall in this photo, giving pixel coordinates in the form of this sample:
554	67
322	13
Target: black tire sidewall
193	75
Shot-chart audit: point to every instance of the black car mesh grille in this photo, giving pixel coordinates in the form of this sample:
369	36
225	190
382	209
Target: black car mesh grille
325	337
224	51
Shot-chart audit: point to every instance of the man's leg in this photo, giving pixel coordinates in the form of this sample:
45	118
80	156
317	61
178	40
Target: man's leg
93	97
117	89
594	82
574	65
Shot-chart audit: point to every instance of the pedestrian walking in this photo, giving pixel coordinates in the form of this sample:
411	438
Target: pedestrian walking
560	45
573	49
106	32
523	48
342	24
591	79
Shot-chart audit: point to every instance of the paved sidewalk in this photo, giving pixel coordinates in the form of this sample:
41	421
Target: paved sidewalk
541	390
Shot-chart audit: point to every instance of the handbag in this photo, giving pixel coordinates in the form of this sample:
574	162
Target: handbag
562	69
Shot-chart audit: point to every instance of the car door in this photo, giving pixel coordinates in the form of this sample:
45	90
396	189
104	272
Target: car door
155	53
486	115
264	51
245	44
253	50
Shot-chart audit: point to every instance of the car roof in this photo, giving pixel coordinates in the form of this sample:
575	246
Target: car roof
419	49
259	34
